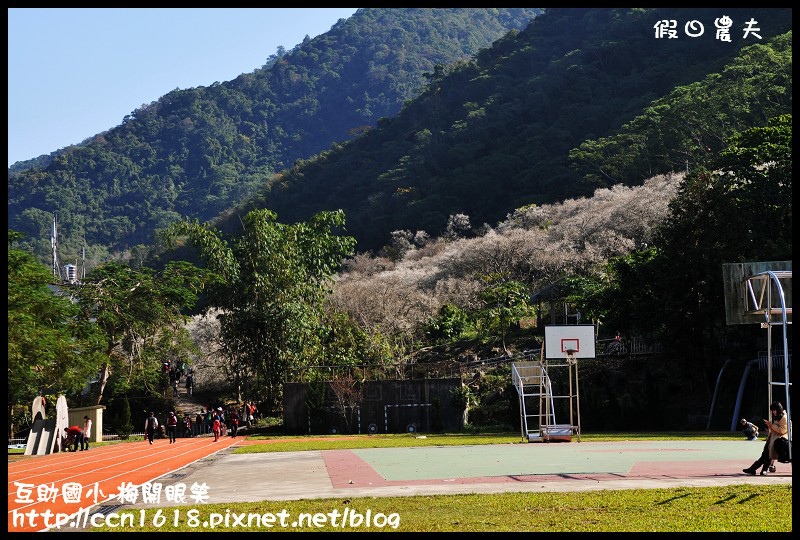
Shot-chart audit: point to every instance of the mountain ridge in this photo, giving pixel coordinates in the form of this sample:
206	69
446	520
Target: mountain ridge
486	136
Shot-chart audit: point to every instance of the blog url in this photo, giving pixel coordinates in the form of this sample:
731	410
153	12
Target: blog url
197	519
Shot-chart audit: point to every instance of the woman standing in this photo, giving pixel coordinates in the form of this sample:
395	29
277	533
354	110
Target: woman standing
87	432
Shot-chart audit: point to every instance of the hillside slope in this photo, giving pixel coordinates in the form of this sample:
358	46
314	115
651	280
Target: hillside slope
491	136
196	152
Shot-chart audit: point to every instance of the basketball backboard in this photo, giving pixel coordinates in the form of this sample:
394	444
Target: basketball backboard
578	338
745	298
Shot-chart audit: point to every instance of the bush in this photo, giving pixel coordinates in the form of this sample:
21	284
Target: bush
123	421
461	397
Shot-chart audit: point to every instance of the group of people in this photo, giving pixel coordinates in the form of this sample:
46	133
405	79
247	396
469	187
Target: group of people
231	416
777	443
221	421
175	372
215	420
77	437
173	426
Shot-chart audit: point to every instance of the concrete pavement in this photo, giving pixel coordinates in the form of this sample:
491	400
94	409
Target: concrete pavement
207	472
524	467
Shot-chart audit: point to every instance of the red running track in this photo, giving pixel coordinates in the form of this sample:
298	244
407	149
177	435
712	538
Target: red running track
36	484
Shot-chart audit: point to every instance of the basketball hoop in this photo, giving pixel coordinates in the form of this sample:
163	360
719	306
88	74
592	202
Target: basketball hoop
570	355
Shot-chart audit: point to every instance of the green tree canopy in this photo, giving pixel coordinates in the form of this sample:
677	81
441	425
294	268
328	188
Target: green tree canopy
505	302
738	211
273	279
140	312
50	350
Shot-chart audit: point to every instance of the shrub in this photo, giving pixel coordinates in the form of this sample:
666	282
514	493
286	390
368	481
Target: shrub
123	421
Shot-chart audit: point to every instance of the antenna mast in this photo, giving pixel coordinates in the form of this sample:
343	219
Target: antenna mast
83	261
54	247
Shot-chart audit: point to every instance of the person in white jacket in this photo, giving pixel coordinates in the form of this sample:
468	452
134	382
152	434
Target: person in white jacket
150	427
87	432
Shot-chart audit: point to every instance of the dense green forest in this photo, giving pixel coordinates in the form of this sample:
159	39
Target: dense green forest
196	152
583	98
515	125
548	159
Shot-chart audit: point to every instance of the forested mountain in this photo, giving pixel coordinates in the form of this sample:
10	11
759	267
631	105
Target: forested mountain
582	99
198	151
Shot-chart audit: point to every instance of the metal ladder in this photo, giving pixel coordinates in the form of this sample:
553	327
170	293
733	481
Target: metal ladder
759	290
531	381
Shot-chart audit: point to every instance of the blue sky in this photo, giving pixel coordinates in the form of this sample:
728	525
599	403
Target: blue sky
74	72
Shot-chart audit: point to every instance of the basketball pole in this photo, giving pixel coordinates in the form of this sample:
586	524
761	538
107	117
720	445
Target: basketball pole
572	361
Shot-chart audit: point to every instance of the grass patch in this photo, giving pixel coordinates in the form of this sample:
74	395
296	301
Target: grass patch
740	508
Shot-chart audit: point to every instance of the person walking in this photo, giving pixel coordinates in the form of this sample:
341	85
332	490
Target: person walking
251	409
233	419
215	427
189	384
778	428
150	426
187	425
198	423
87	432
172	427
222	424
615	347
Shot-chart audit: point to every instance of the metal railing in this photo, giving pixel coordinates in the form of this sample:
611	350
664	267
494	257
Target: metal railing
525	356
777	359
116	437
195	433
17	442
626	347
